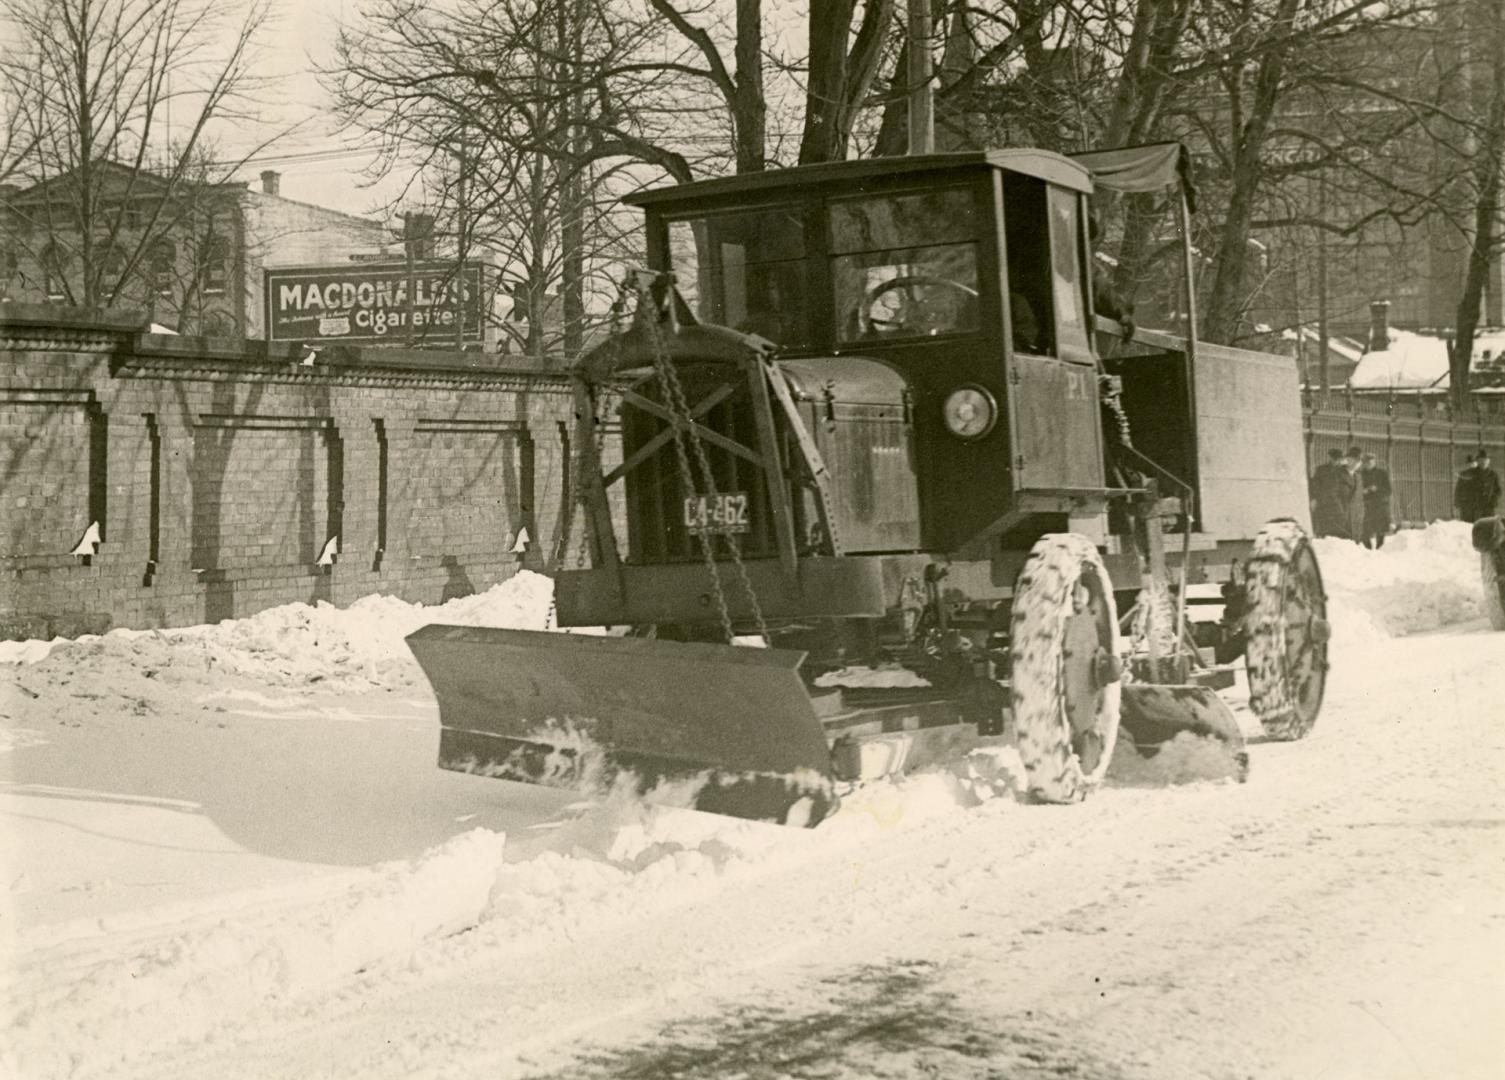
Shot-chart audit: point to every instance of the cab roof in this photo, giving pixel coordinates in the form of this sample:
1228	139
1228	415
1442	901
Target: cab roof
1045	164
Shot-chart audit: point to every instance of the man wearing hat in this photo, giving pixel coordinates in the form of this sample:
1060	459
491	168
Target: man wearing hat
1332	488
1477	492
1374	482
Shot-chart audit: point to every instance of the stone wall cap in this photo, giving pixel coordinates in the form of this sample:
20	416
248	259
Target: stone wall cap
109	320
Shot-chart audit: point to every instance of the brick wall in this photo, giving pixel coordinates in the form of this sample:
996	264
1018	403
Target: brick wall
219	470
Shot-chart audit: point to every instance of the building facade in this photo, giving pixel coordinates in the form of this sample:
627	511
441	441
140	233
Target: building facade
191	255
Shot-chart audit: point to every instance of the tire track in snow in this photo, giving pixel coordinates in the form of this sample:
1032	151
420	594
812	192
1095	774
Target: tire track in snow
1043	893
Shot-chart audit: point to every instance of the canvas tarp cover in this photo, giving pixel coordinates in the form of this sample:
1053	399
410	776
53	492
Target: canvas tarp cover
1142	168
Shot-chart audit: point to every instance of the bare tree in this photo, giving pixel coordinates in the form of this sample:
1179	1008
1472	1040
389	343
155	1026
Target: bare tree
514	120
115	177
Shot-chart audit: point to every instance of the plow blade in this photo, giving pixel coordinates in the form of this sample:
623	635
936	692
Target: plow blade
1153	714
718	728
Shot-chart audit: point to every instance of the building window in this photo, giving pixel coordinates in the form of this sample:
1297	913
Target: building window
10	273
216	269
53	264
112	260
160	266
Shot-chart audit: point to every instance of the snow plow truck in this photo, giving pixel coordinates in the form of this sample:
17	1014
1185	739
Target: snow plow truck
865	415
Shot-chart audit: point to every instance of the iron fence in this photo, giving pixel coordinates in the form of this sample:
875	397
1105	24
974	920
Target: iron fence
1420	439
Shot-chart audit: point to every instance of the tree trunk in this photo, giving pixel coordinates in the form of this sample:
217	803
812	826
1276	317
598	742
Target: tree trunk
749	109
830	23
840	77
538	239
1489	171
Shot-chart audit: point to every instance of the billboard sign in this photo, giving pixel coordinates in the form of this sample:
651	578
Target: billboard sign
420	303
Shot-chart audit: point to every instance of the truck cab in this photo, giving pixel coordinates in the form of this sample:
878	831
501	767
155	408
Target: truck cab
965	274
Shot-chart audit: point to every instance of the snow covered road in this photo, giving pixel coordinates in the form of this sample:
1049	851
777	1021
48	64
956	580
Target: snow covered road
1340	915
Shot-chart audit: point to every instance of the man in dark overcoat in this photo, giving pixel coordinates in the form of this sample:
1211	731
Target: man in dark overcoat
1477	492
1374	482
1332	488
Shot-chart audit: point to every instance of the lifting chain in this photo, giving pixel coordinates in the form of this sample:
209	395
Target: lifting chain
674	400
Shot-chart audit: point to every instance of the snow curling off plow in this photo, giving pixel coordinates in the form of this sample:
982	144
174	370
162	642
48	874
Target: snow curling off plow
911	451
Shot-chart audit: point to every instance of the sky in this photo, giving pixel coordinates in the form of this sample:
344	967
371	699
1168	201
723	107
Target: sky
318	164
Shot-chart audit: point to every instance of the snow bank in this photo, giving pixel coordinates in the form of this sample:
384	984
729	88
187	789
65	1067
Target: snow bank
182	987
293	644
1422	579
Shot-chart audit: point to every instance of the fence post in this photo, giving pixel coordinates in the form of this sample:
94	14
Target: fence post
1421	456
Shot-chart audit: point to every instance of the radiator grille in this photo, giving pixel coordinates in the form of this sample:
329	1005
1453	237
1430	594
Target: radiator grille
656	531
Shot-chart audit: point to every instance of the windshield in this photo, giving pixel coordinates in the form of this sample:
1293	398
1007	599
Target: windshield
745	270
905	265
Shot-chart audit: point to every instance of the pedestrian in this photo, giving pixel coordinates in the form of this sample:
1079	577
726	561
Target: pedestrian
1352	462
1374	482
1477	492
1331	489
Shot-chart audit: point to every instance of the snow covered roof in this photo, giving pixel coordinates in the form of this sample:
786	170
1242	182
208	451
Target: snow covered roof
1420	361
1412	362
1347	348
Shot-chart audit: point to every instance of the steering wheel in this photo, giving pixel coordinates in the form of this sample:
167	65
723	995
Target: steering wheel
904	281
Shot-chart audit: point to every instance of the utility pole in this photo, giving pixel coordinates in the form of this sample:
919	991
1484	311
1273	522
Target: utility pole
463	247
572	228
1322	285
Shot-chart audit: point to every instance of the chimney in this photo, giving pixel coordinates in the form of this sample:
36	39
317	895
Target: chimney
271	181
1379	325
418	235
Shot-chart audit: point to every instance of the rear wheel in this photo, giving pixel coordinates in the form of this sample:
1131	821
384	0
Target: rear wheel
1286	629
1065	680
1494	587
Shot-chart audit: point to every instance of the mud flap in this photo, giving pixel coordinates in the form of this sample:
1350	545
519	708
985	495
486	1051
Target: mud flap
719	728
1153	714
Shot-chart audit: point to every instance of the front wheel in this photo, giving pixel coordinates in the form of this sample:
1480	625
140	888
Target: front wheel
1065	680
1286	629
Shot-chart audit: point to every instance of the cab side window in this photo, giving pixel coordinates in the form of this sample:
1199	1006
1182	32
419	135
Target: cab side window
1026	235
1067	279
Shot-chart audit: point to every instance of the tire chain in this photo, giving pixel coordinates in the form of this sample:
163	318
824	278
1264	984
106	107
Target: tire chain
1035	639
1267	581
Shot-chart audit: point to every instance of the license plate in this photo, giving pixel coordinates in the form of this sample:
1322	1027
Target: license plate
724	513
